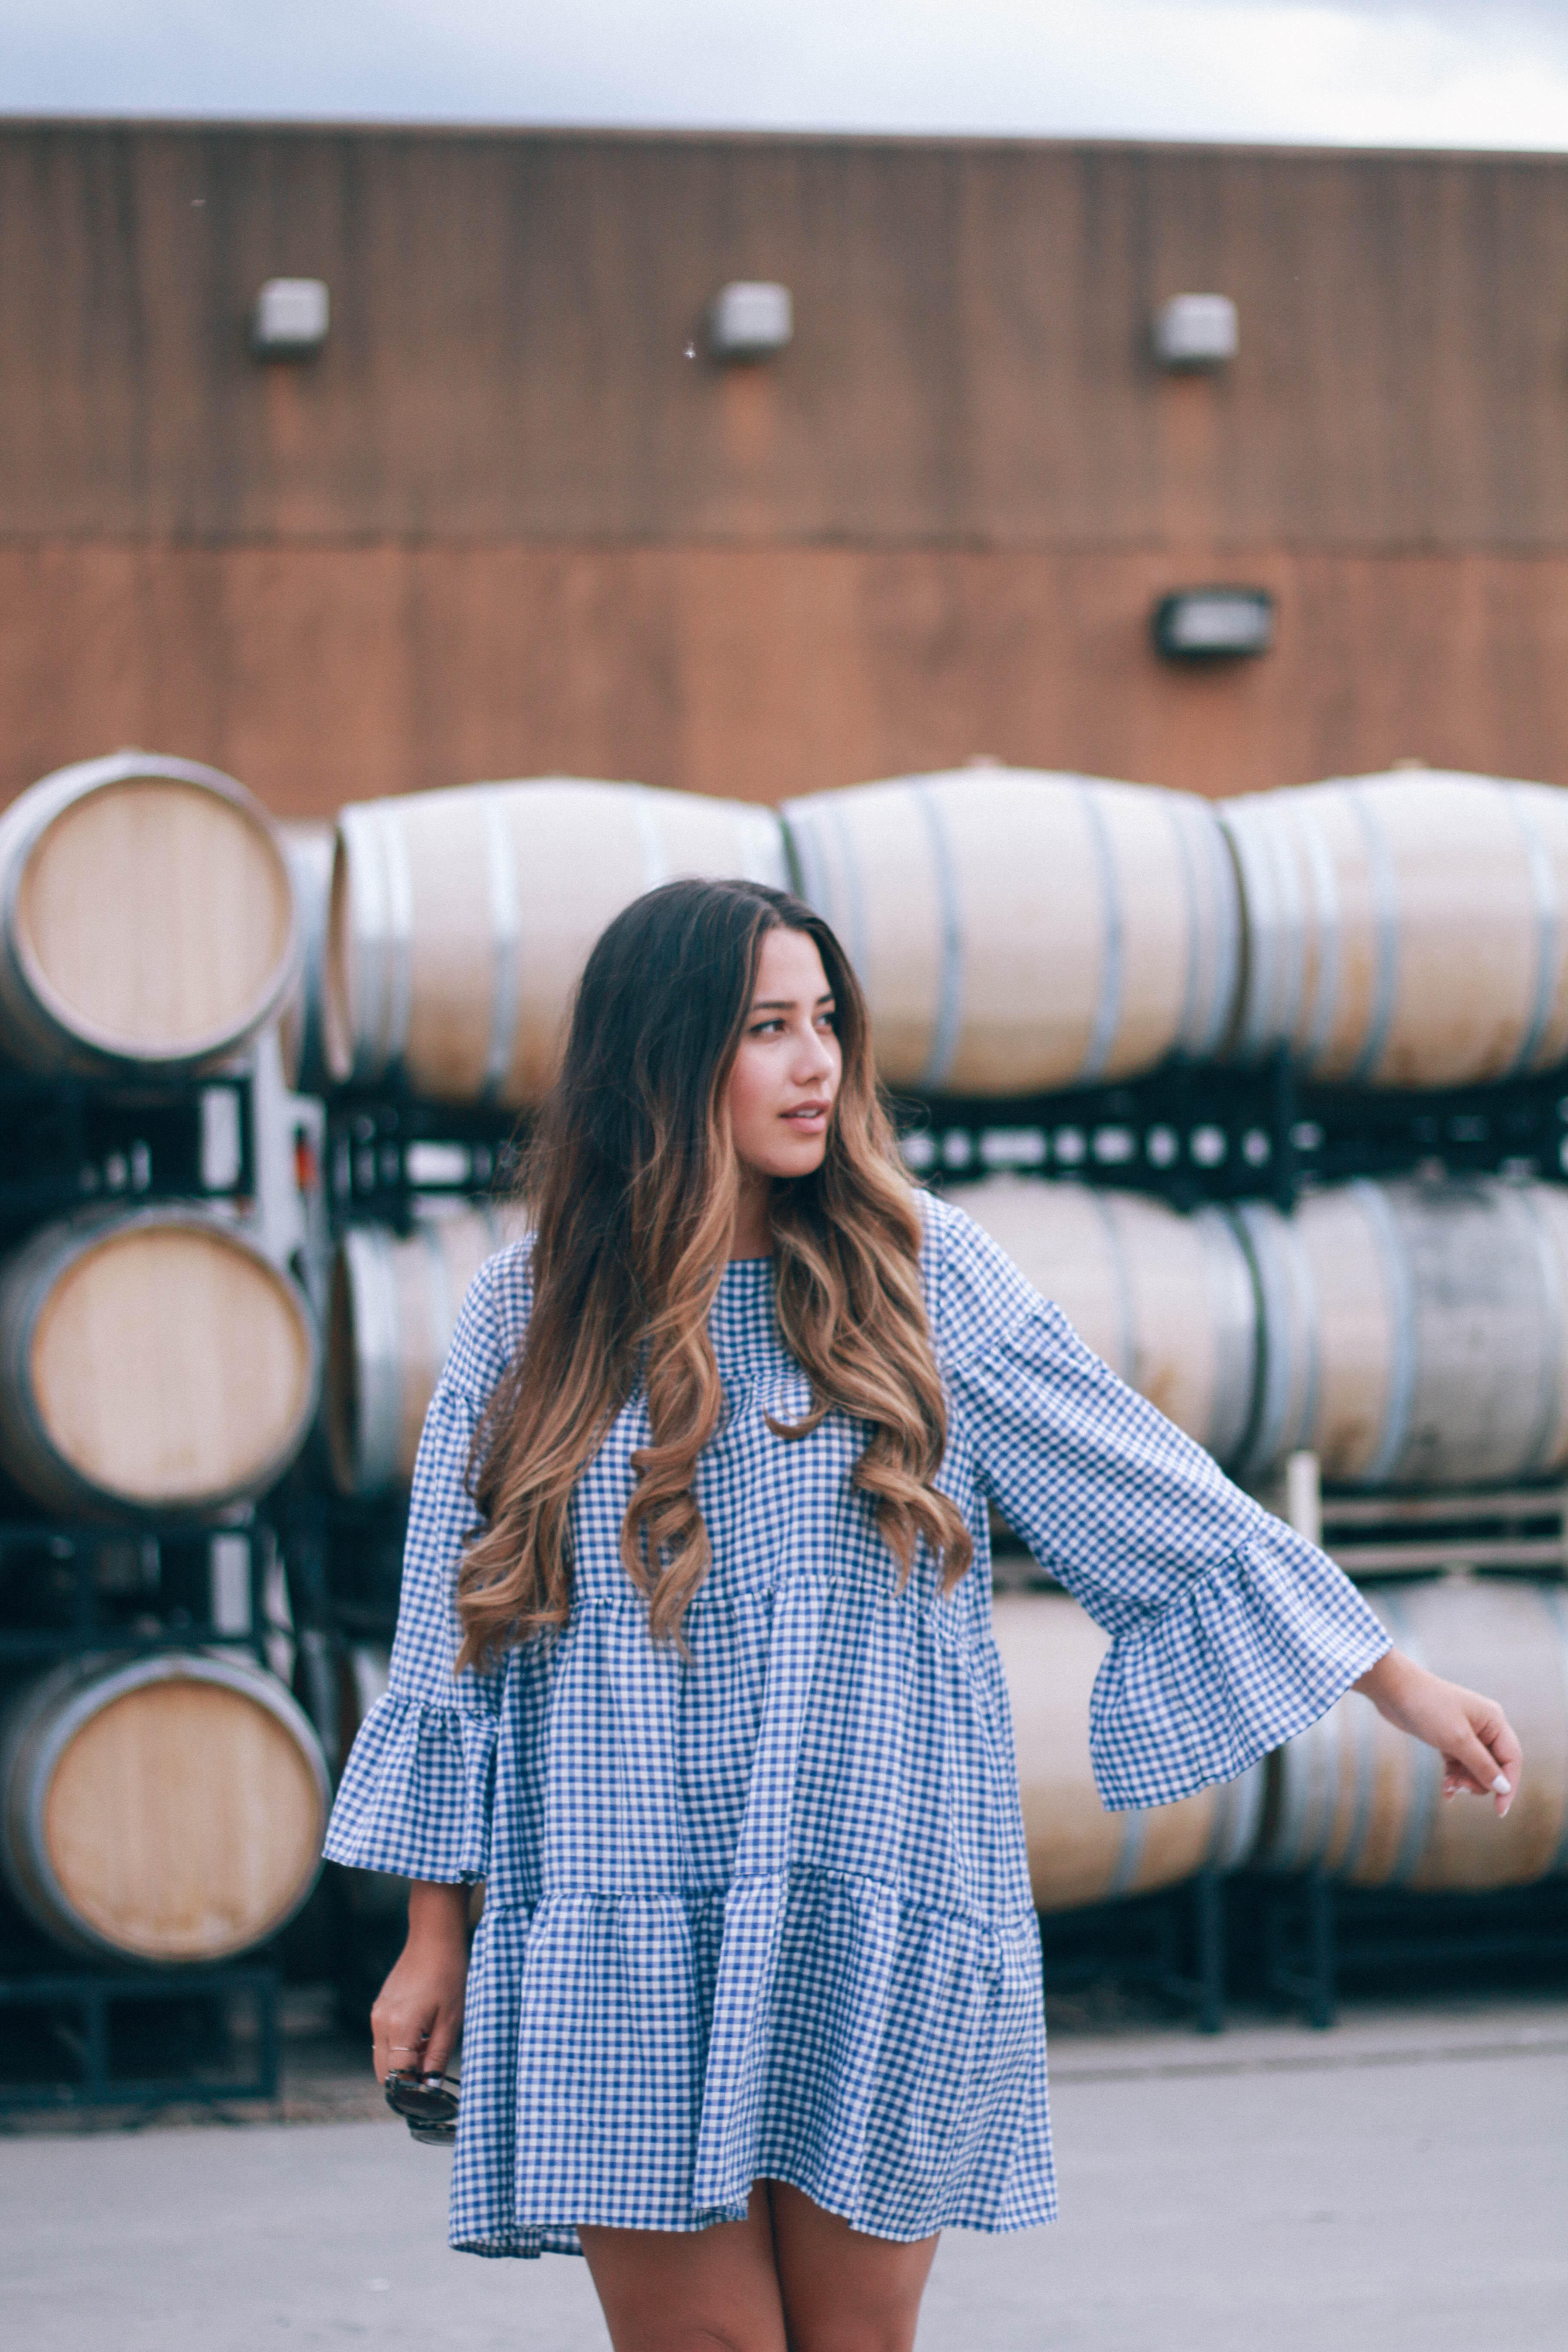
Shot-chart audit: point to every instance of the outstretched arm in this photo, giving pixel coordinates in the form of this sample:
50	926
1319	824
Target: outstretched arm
1481	1757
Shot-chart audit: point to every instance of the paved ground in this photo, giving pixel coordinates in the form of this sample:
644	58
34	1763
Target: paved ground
1400	2185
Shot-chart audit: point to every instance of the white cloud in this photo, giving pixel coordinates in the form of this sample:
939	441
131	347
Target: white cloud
1428	72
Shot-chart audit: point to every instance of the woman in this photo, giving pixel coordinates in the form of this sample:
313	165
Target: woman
700	1520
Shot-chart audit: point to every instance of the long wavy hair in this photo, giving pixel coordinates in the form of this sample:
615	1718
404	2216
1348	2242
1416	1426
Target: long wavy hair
632	1184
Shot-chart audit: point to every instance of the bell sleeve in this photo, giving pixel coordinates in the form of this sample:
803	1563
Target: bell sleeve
1230	1633
416	1793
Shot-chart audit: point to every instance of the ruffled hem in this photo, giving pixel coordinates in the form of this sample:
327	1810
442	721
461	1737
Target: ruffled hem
1246	1657
416	1795
638	2062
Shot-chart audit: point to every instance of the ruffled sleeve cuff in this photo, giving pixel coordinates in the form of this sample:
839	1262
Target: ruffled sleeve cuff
415	1794
1247	1656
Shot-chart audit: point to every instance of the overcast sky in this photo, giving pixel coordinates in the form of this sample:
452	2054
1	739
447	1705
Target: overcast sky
1475	73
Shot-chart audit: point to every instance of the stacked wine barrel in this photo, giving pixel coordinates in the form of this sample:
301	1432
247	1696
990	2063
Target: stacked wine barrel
1022	937
162	1797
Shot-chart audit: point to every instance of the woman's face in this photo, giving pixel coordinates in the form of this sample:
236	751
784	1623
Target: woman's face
786	1071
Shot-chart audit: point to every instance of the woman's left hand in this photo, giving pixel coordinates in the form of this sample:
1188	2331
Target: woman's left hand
1475	1739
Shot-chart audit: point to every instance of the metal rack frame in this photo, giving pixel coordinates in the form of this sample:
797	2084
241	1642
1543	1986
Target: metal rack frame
1316	1933
1143	1940
70	1143
70	1550
95	1997
1190	1132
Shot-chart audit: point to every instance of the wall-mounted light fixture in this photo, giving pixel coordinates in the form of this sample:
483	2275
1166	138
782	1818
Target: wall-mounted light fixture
750	318
289	318
1196	330
1200	624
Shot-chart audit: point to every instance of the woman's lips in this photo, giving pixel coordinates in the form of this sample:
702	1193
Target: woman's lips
807	1114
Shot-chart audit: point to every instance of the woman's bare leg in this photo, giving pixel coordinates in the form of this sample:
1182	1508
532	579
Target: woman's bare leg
844	2291
690	2290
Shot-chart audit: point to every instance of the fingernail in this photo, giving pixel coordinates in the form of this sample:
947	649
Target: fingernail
1501	1787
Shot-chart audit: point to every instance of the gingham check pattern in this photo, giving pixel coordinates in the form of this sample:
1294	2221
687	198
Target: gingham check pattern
765	1912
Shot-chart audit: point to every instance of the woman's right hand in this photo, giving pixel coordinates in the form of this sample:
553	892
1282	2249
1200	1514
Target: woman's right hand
419	2009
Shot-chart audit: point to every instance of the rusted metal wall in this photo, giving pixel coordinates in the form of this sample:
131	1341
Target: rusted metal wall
504	524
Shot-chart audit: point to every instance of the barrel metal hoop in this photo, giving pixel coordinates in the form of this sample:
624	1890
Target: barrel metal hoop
803	858
506	942
1188	1025
378	1371
1212	1022
1543	896
1557	1606
1126	1315
1361	1723
1327	940
369	946
1279	1418
1424	1764
1129	1853
1233	1319
1306	1769
1518	1201
1385	931
1108	1012
1237	1818
854	897
1394	1434
950	996
1261	1023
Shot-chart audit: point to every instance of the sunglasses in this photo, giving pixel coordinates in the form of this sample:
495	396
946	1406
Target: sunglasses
427	2103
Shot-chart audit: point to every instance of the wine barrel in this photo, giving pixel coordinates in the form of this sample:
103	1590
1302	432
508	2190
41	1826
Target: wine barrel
156	1361
394	1301
1363	1802
1405	931
1415	1334
1080	1854
1167	1300
460	920
146	918
308	850
1016	931
165	1809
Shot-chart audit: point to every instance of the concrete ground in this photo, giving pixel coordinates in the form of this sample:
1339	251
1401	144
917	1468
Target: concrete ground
1398	2185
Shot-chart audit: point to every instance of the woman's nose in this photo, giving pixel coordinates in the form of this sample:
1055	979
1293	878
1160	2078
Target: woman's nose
814	1058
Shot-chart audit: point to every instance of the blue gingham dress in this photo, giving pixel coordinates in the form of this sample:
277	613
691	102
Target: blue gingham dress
764	1912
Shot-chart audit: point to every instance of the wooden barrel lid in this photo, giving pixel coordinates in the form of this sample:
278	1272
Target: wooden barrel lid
184	1817
153	918
171	1364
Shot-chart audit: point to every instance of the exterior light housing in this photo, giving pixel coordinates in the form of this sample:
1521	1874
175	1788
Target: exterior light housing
1206	624
289	318
1196	330
750	318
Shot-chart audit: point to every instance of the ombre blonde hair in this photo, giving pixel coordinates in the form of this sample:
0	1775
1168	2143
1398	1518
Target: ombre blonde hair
632	1182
